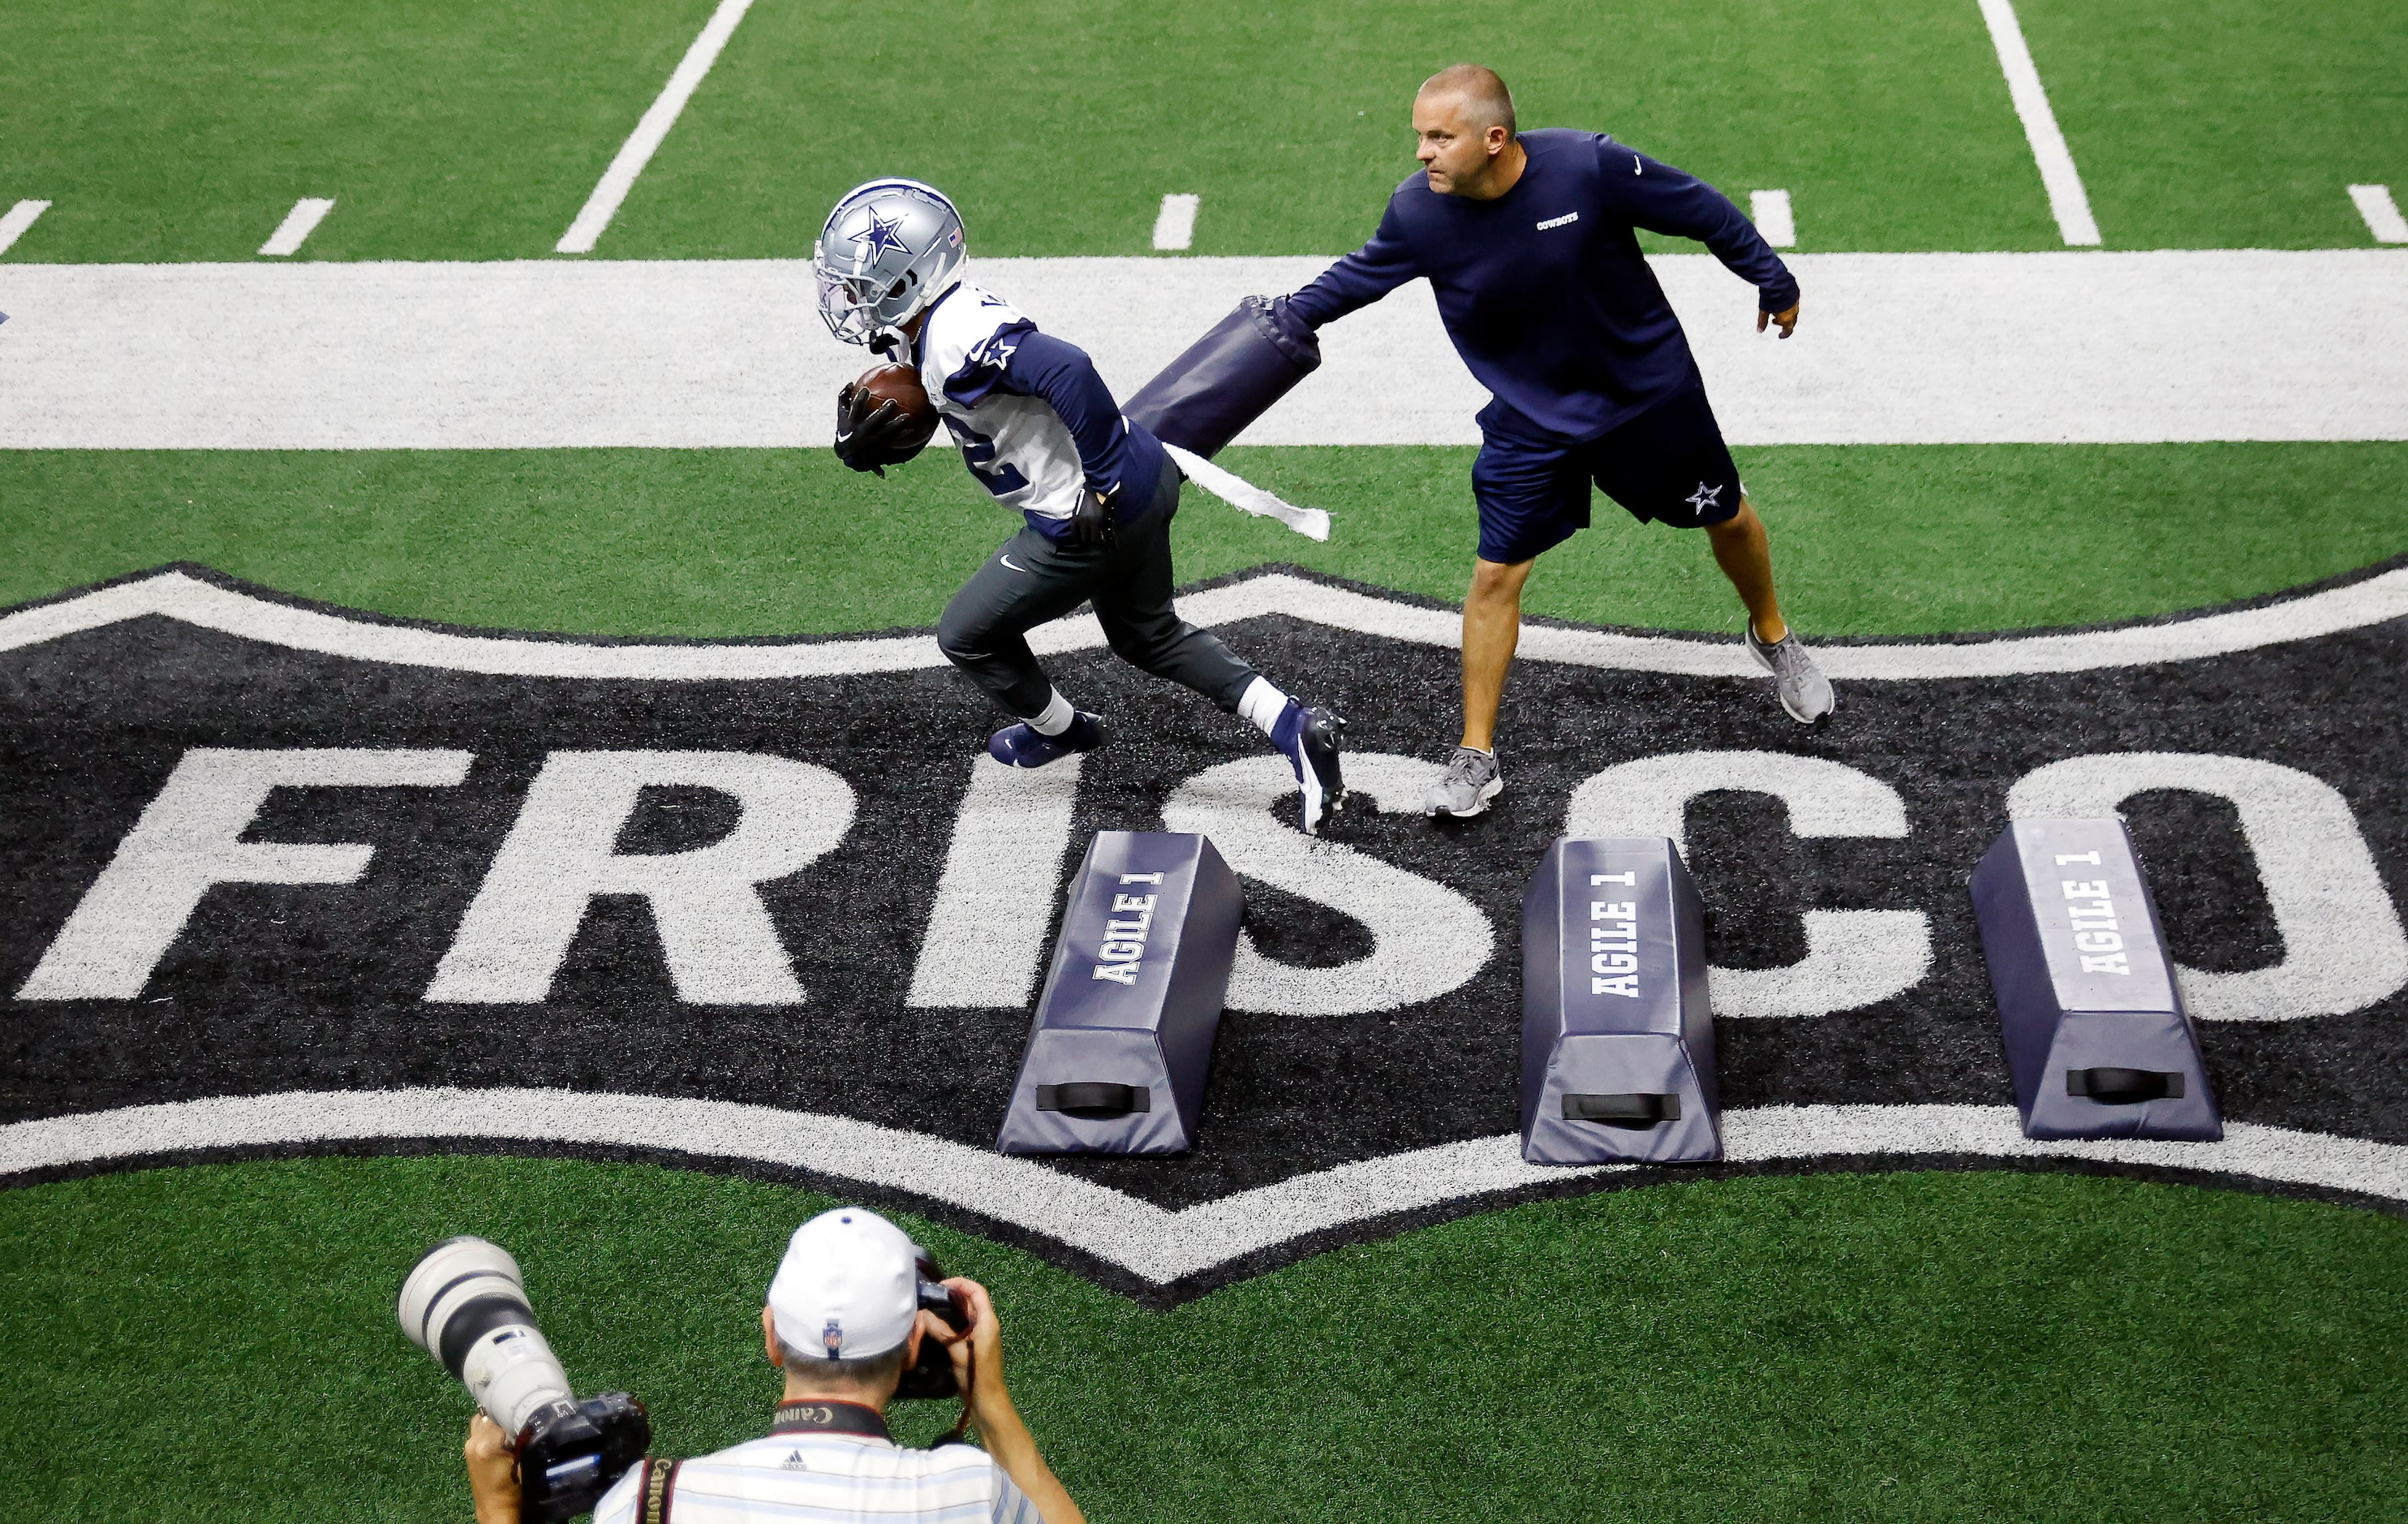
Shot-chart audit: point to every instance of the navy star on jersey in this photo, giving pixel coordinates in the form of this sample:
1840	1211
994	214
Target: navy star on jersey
883	235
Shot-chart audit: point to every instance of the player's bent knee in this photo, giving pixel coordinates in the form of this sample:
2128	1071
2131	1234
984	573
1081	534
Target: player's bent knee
1141	651
1144	643
964	641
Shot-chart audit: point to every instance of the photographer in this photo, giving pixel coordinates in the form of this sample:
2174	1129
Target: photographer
844	1322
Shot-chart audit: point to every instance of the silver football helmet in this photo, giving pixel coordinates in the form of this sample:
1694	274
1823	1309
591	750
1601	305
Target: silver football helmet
890	248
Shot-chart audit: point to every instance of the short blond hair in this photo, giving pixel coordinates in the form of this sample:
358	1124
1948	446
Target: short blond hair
1483	93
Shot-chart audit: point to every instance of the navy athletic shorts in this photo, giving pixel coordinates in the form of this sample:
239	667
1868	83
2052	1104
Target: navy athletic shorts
1668	464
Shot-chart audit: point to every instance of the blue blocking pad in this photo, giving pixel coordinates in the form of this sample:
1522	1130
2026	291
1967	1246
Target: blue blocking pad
1122	1038
1225	380
1617	1038
2095	1033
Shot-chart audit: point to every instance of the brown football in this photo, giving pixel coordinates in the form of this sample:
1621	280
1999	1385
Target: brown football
900	385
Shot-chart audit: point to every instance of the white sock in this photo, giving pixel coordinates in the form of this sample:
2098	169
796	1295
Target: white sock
1261	704
1055	717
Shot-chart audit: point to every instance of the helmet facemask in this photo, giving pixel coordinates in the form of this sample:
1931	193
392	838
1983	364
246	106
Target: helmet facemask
890	248
850	304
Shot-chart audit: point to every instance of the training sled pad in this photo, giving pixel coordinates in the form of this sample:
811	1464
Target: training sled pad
1124	1031
2097	1036
1226	379
1617	1037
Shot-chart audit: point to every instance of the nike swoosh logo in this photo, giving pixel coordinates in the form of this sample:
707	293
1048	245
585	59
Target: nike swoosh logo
1009	561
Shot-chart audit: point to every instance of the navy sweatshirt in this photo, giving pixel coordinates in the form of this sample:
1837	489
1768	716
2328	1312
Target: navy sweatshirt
1543	290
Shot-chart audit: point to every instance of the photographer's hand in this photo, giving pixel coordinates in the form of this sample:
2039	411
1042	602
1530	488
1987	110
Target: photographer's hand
1005	1437
493	1472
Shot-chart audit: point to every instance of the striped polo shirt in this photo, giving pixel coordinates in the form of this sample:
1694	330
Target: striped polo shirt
803	1478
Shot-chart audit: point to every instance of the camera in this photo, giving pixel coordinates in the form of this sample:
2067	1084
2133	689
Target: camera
932	1373
465	1304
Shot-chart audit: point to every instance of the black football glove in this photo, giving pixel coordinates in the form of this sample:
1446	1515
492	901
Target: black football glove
1091	526
871	437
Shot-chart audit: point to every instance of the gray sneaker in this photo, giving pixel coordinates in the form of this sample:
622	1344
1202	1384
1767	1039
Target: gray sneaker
1805	692
1472	779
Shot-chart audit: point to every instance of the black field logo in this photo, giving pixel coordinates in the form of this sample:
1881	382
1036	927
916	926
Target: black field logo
280	878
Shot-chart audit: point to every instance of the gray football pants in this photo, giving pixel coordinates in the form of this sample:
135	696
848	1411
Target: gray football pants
1033	580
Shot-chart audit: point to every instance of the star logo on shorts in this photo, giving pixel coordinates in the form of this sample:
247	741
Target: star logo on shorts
1706	497
882	235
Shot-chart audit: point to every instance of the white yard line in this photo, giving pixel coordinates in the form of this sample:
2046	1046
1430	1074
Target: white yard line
1174	225
18	218
2067	200
1770	211
1896	349
2375	204
298	225
636	151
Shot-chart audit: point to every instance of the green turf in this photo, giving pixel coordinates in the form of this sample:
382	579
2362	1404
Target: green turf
2234	124
1060	124
217	1342
1867	541
446	129
185	129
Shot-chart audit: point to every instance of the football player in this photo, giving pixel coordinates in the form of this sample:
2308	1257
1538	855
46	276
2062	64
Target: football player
1039	429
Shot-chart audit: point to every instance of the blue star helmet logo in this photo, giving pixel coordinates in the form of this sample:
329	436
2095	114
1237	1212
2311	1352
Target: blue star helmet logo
882	235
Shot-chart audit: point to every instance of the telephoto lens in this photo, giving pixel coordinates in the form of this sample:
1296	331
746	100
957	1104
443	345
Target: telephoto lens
465	1304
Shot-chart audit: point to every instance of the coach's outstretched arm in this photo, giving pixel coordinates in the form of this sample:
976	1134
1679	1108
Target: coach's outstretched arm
978	1365
1360	278
1655	195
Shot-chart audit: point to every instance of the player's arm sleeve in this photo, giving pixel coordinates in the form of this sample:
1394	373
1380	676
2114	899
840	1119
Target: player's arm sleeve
982	366
1360	278
1662	199
1034	363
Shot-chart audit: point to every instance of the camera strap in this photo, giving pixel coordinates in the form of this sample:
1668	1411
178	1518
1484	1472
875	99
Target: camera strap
813	1415
660	1484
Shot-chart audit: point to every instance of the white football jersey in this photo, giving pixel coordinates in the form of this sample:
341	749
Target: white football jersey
1018	447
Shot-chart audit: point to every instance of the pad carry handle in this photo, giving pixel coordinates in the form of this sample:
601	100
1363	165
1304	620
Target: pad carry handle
1624	1111
2123	1086
1095	1099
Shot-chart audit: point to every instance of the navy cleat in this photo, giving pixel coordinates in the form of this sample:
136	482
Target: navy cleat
1021	746
1308	738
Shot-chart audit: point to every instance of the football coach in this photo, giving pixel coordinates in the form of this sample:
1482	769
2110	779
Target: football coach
1529	241
843	1322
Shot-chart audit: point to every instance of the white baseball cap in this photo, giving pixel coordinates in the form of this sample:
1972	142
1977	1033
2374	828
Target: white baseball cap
848	1286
